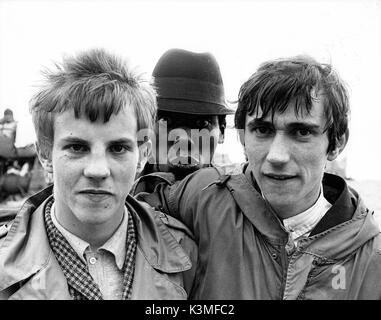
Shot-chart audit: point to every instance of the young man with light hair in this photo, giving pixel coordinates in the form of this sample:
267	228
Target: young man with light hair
84	237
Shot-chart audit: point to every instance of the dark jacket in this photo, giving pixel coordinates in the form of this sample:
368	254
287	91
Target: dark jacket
164	264
245	252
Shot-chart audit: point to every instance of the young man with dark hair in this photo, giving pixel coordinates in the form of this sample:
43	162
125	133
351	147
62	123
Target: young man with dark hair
283	229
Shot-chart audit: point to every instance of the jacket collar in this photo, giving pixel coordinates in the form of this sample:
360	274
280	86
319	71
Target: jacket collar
336	192
348	217
244	190
19	259
346	226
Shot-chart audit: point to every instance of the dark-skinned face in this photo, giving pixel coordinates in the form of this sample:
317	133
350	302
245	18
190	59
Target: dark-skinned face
184	142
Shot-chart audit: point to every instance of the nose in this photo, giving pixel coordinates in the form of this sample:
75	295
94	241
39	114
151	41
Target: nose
182	138
279	151
184	150
97	166
185	140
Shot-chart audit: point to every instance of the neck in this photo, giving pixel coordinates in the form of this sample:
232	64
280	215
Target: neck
94	234
288	211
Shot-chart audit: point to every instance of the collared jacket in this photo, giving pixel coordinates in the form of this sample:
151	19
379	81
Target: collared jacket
246	253
164	264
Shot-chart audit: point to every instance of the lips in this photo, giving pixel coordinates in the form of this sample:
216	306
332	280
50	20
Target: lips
95	194
182	157
96	191
279	177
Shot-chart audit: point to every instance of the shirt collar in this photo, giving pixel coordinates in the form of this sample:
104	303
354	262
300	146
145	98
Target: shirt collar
115	245
302	223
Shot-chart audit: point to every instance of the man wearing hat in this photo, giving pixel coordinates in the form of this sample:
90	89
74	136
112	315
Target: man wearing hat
191	117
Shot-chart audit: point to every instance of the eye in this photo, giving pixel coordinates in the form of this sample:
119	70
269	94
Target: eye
77	148
263	131
166	119
203	123
303	132
119	148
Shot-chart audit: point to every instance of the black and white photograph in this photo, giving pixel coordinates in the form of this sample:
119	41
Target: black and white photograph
190	150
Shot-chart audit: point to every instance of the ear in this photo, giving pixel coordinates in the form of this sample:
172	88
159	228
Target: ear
340	145
241	135
44	159
145	150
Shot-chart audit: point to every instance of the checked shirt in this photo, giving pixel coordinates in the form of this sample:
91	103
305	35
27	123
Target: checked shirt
81	284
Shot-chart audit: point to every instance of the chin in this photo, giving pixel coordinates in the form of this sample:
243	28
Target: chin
94	219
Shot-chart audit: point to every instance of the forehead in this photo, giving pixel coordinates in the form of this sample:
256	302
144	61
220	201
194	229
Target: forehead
315	115
119	126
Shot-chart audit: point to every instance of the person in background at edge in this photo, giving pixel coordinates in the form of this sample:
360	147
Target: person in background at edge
84	237
191	117
282	229
8	126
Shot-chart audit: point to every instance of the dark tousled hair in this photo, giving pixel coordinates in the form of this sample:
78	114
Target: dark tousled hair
278	83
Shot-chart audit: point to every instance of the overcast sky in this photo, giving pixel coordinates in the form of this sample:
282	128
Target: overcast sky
241	35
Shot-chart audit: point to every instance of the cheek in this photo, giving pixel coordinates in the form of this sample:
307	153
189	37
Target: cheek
313	155
125	171
255	151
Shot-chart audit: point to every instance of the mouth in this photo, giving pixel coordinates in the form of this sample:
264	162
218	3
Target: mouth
96	194
178	156
279	177
95	191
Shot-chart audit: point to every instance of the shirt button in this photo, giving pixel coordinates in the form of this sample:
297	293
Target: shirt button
93	260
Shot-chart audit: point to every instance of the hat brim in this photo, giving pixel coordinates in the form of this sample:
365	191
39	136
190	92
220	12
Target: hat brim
192	107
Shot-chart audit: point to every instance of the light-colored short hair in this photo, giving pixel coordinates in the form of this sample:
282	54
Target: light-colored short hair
95	84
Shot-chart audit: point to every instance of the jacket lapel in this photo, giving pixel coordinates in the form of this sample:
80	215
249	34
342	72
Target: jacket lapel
20	262
155	241
255	208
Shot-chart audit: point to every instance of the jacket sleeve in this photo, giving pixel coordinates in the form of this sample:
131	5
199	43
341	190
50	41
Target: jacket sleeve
182	199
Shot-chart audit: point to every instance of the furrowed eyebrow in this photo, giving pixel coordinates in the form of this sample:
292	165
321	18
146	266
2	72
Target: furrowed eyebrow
258	122
122	141
304	125
292	125
82	141
74	140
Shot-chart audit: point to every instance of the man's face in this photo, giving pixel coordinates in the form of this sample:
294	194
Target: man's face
93	166
185	143
287	157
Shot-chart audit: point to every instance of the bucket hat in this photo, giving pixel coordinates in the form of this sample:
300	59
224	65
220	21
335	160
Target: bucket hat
189	82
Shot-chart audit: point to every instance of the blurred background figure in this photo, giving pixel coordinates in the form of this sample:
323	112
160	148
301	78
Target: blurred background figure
8	125
19	170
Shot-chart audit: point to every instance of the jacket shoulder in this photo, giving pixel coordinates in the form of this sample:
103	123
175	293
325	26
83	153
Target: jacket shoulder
201	179
176	227
172	224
